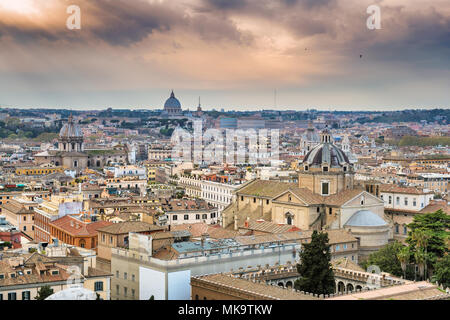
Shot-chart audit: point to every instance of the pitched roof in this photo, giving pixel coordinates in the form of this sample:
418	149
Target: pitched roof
264	291
129	226
267	226
265	188
198	229
76	227
406	190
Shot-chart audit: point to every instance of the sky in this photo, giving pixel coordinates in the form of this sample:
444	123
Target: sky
234	54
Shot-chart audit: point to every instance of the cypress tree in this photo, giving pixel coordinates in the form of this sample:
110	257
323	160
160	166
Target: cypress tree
316	272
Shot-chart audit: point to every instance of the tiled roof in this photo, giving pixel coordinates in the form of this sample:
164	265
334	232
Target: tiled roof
267	226
262	290
397	189
265	188
16	208
342	197
213	231
76	227
346	264
435	206
410	291
129	226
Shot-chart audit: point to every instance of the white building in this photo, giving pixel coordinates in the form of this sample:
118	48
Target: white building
405	198
130	170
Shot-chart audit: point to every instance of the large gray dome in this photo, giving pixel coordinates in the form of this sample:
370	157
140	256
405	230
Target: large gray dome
365	218
70	130
326	153
172	102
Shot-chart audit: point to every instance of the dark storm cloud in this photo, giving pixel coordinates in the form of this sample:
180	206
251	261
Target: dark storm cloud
123	22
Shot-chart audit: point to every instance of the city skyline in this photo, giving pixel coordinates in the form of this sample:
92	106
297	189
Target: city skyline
234	54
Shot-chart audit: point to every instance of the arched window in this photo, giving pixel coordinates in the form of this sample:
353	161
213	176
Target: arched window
289	220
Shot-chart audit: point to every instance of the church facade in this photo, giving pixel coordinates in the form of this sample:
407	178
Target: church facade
71	154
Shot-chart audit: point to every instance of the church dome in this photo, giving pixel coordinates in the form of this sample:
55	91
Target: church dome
70	130
172	102
326	152
365	218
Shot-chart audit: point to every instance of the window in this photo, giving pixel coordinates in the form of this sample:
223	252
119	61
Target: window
98	286
117	274
414	202
125	291
132	292
213	215
25	295
174	217
117	289
254	200
133	276
267	201
405	230
197	217
330	211
12	296
204	216
24	218
406	201
390	199
396	229
397	201
325	169
24	228
186	217
242	198
345	246
325	187
306	168
111	239
1	296
125	276
337	247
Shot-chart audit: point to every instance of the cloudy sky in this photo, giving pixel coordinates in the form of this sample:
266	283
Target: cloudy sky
232	53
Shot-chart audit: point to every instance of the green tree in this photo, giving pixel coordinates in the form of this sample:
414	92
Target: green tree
316	272
442	271
387	258
430	232
404	256
44	292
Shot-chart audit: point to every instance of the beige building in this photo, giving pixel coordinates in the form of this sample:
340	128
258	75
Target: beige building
325	198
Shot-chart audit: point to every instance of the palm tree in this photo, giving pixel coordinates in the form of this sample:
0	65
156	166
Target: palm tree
421	260
421	237
403	256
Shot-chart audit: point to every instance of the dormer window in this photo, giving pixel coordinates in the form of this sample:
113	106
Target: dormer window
345	168
325	169
306	168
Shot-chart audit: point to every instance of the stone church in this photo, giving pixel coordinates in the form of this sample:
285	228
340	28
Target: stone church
71	153
325	198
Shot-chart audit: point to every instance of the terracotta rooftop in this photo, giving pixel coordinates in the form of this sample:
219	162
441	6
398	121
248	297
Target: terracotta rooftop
129	226
76	227
265	188
267	226
260	290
